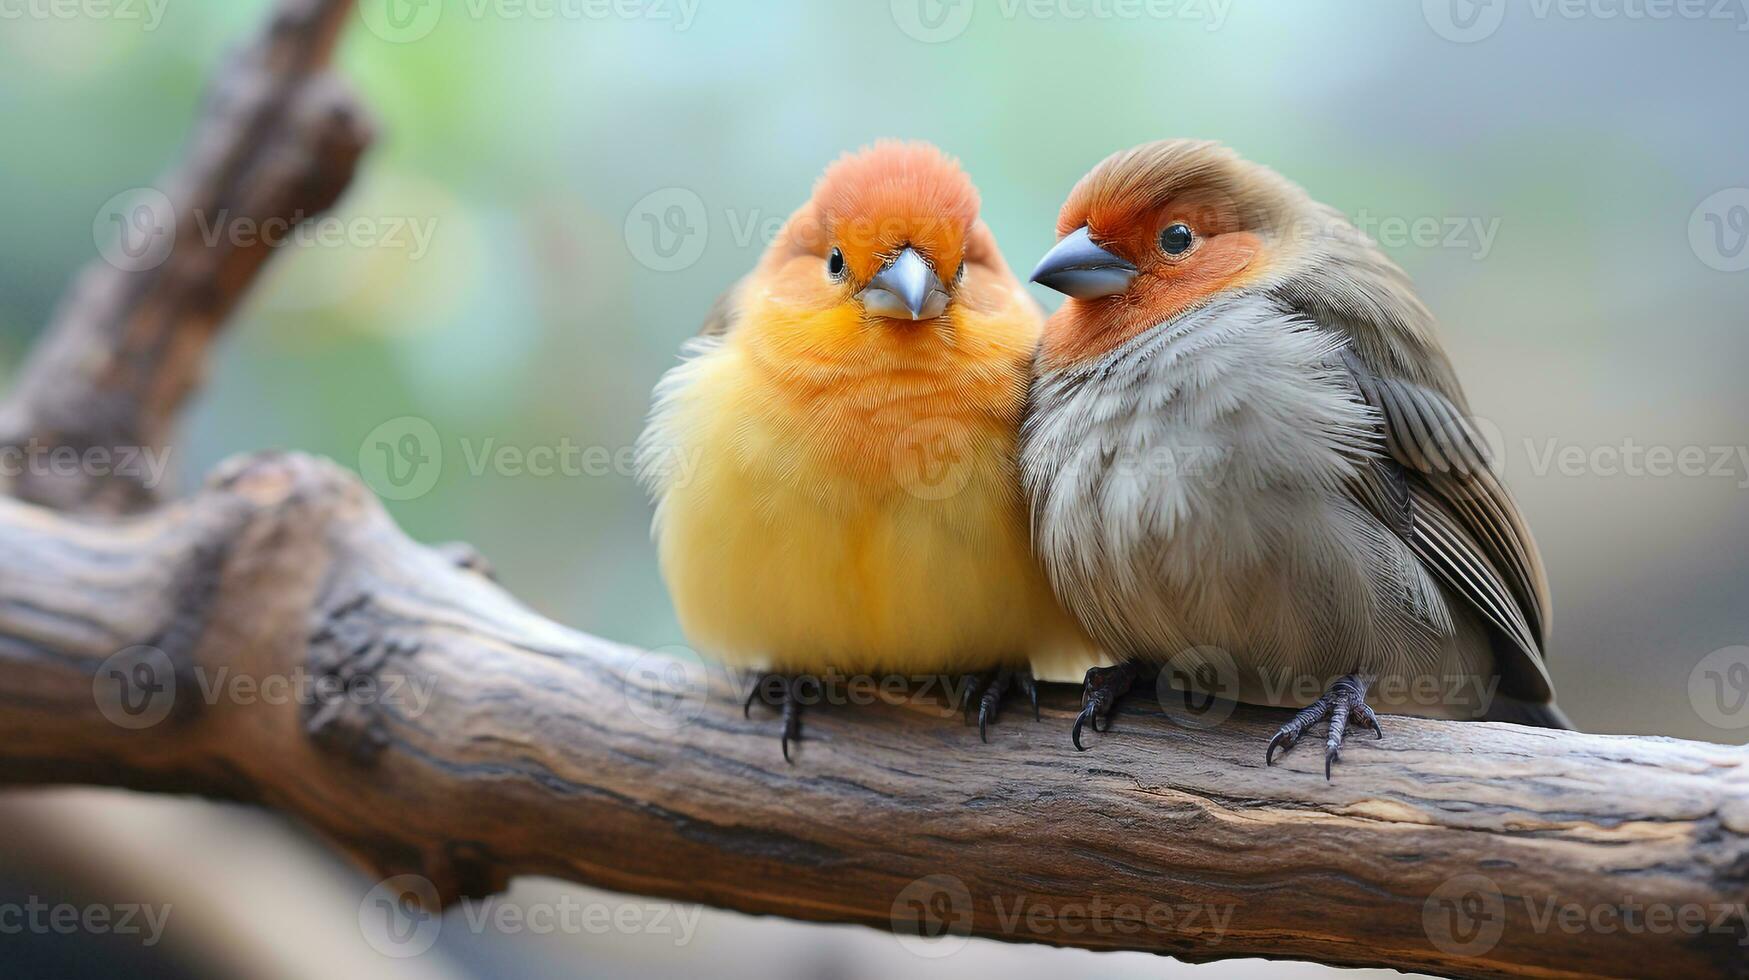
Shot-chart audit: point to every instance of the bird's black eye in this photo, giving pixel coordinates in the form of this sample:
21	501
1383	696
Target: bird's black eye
1176	239
835	264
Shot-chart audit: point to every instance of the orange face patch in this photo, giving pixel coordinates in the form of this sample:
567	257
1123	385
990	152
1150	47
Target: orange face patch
872	204
1223	255
849	383
866	209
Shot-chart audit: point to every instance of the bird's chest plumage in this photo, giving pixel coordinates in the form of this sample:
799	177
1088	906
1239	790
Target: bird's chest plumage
866	533
1185	487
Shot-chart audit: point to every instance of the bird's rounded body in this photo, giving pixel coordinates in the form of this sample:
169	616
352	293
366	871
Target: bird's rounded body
869	520
850	494
1190	507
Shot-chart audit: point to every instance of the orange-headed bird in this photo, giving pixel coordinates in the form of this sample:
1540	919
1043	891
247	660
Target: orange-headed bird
849	418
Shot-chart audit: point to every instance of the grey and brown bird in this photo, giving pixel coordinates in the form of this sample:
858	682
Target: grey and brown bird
1248	457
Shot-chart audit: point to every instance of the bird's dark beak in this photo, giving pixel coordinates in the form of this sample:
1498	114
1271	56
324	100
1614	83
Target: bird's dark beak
1079	268
905	289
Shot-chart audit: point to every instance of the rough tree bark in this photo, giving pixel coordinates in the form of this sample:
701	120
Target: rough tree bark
465	739
276	639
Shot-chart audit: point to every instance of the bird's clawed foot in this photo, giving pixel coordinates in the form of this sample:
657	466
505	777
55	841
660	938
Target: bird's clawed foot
786	693
1345	700
985	692
1100	693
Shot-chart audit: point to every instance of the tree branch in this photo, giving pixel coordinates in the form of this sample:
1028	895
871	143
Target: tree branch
277	141
465	739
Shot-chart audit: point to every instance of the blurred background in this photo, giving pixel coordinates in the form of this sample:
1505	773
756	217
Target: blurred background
562	188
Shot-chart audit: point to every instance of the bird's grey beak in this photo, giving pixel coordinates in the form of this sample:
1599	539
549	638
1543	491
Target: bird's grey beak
906	289
1079	268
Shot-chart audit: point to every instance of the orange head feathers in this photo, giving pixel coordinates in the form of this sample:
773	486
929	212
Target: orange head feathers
1153	232
890	233
875	203
883	304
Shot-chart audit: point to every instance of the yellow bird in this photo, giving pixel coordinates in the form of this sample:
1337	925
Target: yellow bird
848	420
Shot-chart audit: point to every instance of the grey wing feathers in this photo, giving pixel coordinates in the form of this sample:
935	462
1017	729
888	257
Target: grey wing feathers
1437	483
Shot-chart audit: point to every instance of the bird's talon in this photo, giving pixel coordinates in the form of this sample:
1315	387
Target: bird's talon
762	685
1345	700
1081	719
786	698
1100	693
987	692
969	694
1363	711
991	703
1283	741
